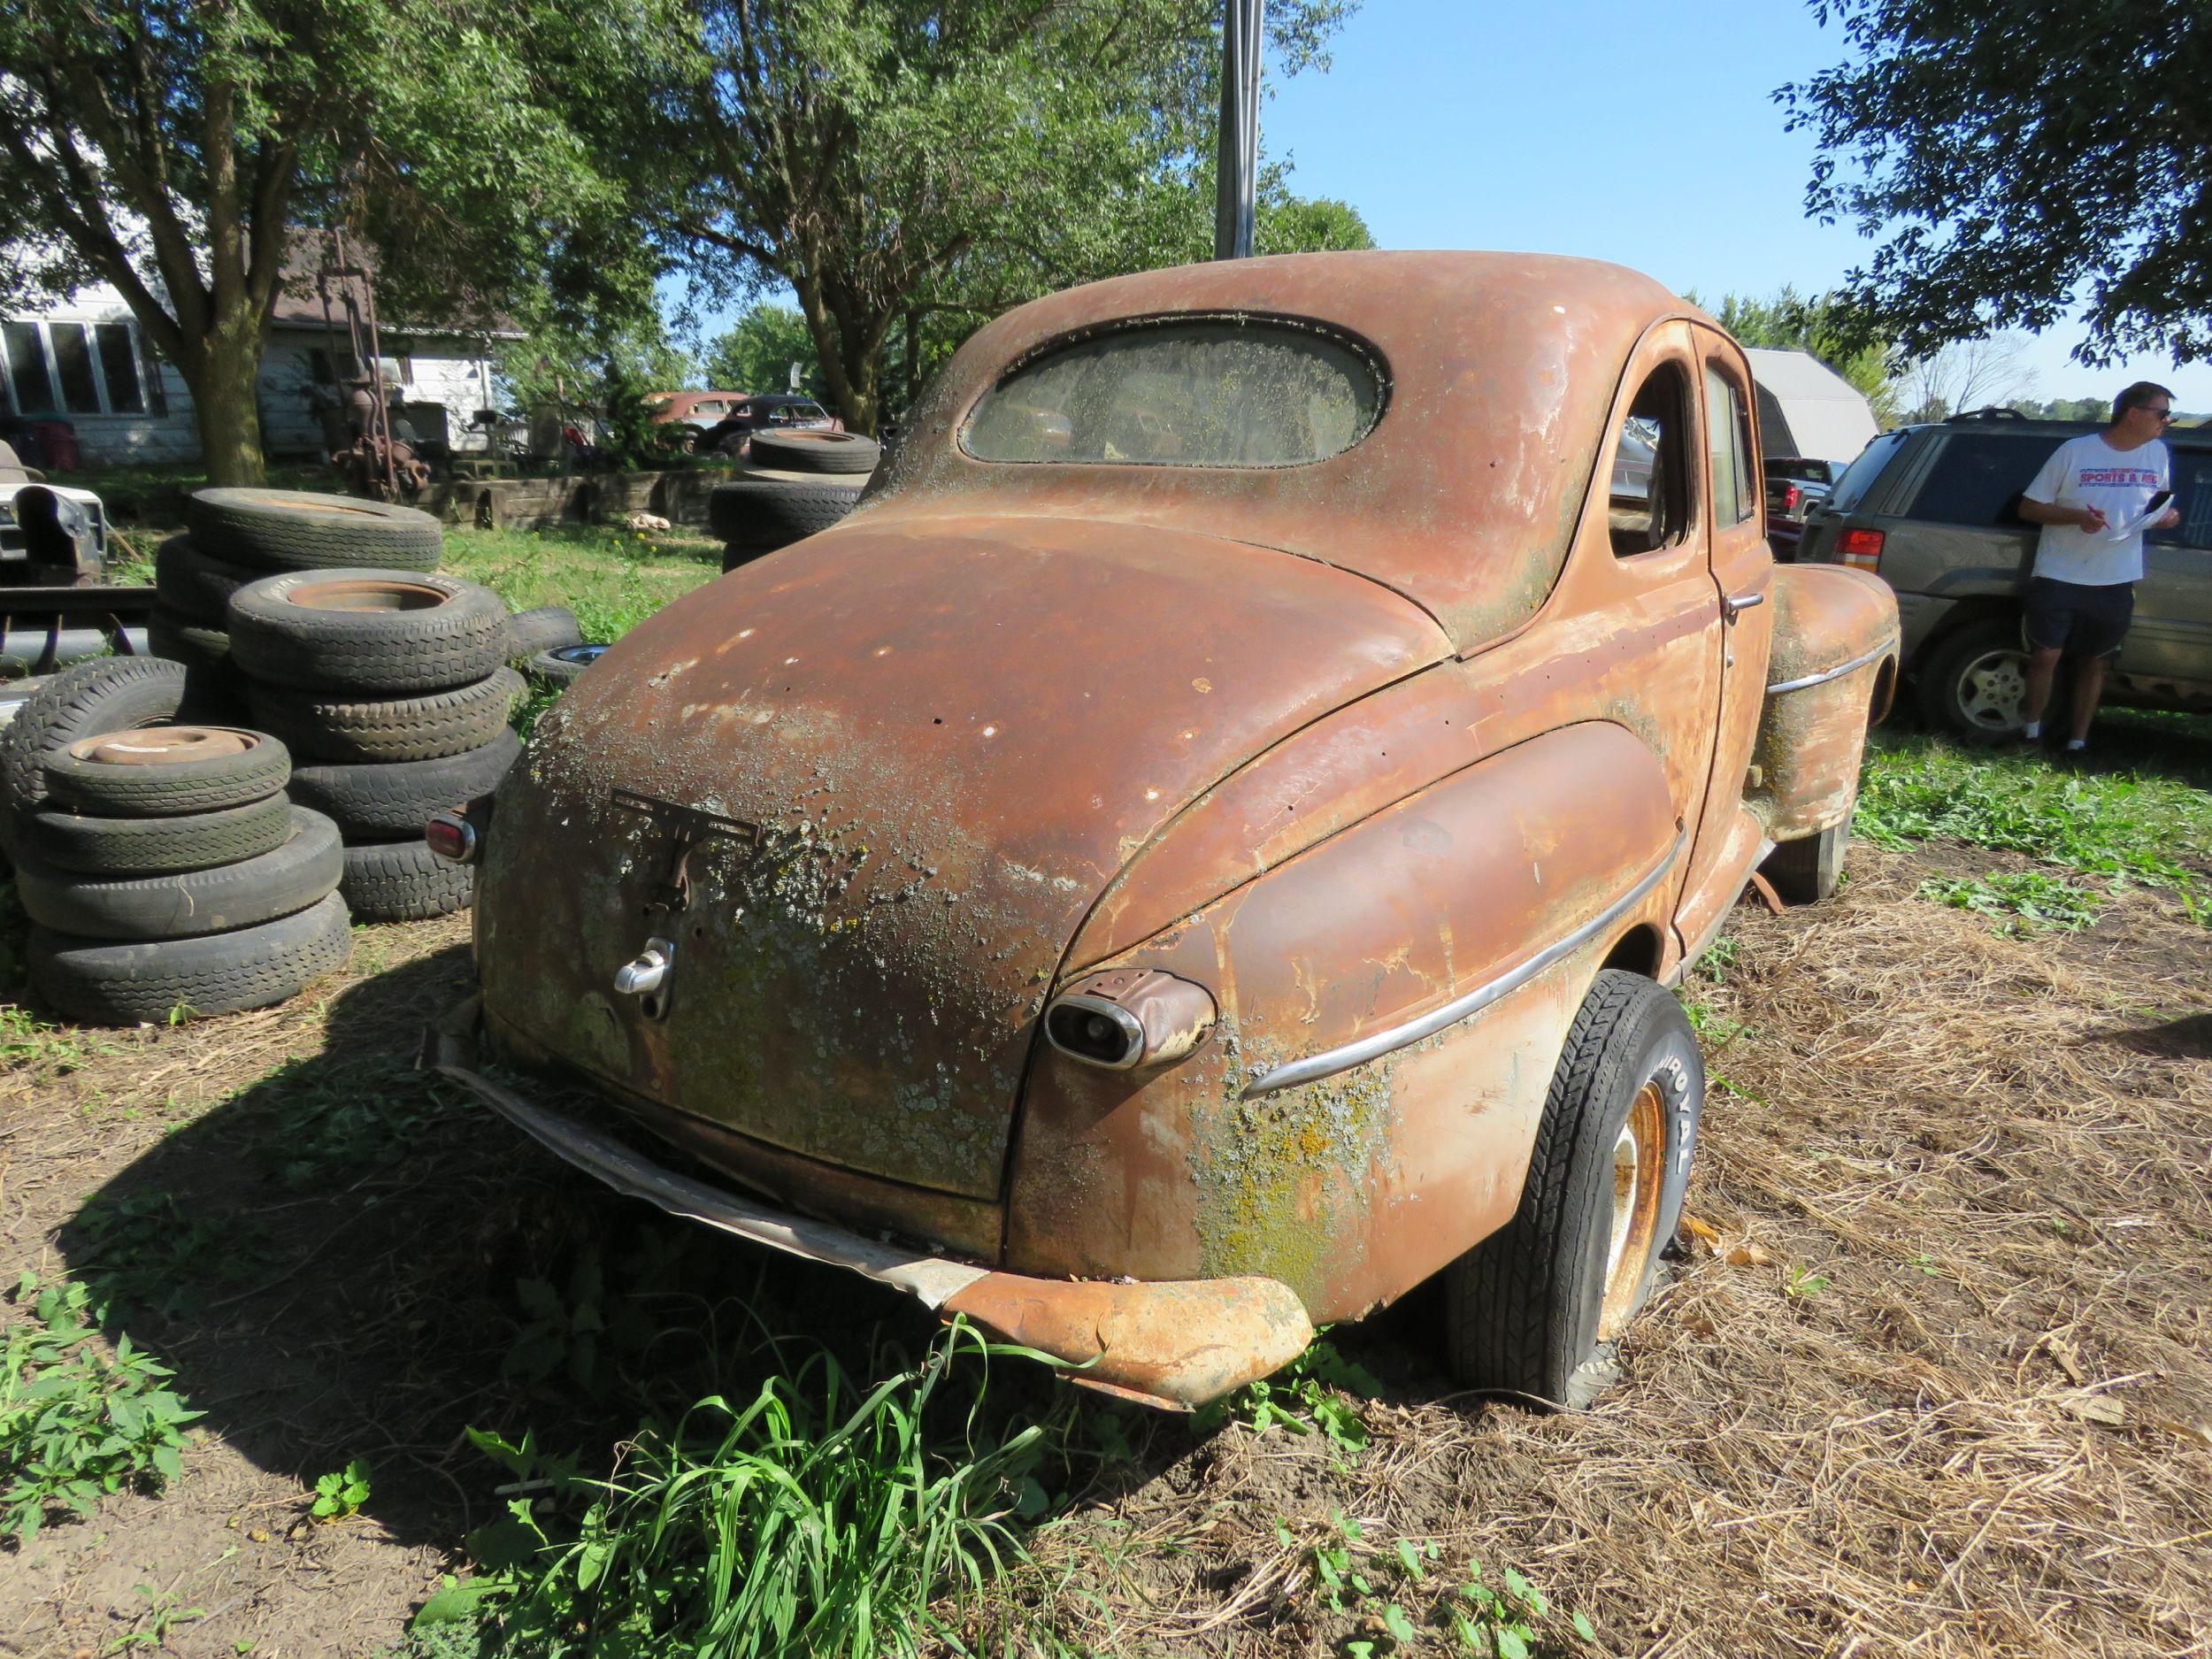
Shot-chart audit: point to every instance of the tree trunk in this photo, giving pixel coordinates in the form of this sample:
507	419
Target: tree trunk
225	405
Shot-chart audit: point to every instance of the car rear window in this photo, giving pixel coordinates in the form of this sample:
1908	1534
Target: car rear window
1860	475
1977	477
1231	391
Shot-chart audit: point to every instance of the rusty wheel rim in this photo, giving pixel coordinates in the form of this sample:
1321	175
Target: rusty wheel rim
1638	1168
163	745
369	595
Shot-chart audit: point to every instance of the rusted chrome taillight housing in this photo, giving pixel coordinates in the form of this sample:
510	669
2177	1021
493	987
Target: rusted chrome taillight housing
1126	1017
457	836
1861	550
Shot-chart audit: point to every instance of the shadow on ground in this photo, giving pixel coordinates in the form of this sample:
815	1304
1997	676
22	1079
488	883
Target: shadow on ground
348	1259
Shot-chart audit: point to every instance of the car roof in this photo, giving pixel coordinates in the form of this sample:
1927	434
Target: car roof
1500	371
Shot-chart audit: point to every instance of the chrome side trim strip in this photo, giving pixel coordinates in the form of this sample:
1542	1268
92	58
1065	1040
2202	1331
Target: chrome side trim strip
1827	674
1314	1067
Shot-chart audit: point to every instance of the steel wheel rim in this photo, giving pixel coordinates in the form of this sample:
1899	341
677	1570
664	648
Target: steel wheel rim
1993	689
1638	1165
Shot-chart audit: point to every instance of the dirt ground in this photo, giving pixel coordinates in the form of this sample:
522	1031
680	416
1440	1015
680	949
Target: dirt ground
1933	1379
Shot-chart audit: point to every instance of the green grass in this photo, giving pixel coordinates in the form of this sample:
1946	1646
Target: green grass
76	1424
2143	810
611	578
820	1514
2026	901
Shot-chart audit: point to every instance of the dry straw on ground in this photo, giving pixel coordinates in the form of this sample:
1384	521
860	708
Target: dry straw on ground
1934	1379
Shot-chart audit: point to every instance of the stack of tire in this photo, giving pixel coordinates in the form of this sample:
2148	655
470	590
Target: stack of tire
790	486
391	688
162	866
236	535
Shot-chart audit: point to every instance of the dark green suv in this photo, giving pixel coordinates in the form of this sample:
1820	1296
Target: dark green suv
1935	511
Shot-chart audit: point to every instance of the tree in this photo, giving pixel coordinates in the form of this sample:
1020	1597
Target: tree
757	352
2019	158
1970	374
1787	321
180	150
894	159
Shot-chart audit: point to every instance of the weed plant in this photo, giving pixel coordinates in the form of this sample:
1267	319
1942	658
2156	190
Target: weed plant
819	1514
2152	828
74	1425
2023	901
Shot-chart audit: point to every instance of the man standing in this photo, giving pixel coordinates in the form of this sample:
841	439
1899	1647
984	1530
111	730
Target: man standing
2091	498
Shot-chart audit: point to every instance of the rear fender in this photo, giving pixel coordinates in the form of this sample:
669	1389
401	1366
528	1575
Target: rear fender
1391	1003
1831	673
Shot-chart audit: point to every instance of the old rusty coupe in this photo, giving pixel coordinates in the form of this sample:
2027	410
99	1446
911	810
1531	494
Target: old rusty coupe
1201	848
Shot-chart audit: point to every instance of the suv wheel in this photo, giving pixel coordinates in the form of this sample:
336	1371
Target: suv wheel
1975	684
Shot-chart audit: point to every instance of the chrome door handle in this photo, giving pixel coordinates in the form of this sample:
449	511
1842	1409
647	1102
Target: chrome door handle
1736	604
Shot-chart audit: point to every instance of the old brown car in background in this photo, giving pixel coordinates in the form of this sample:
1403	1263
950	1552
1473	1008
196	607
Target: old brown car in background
1201	850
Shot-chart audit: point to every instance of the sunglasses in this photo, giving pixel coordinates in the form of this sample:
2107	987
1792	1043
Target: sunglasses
2166	413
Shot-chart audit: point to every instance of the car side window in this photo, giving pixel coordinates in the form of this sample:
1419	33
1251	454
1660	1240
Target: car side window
1649	502
1728	445
1977	477
2193	494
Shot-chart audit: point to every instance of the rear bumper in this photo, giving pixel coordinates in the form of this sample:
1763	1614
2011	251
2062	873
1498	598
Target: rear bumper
1174	1345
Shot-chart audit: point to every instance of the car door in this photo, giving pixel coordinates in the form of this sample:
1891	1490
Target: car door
2171	638
1741	568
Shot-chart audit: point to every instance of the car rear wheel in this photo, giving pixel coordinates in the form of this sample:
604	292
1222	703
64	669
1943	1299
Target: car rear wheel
1975	685
1535	1310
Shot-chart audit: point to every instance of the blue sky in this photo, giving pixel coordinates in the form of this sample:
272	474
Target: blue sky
1635	132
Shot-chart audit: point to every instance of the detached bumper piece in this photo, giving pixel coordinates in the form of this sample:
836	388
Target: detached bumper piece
1171	1345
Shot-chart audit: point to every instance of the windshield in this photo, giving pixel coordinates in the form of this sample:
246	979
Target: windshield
1862	471
1217	392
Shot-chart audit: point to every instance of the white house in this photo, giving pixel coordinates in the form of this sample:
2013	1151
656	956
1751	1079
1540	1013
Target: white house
85	360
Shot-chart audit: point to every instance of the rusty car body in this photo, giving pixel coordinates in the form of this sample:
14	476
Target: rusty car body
1130	883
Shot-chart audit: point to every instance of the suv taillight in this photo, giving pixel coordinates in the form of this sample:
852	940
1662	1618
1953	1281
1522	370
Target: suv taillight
1860	549
1791	496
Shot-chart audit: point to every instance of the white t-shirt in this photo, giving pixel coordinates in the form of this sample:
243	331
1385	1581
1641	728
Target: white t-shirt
2087	472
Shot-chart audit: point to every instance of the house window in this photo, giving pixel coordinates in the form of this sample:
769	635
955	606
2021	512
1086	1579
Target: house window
73	362
118	369
78	369
29	381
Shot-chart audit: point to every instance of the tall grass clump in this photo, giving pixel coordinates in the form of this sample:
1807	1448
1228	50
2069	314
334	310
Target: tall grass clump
819	1514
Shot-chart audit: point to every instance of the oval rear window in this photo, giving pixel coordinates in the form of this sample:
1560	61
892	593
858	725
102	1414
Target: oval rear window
1217	391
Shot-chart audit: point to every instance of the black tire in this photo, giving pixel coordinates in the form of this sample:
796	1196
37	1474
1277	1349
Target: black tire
196	587
105	984
113	693
78	777
839	453
383	801
326	727
1534	1310
761	511
369	631
243	895
547	628
293	530
1971	684
1807	871
203	649
564	665
156	846
404	881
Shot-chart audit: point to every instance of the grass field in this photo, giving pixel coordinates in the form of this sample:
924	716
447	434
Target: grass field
307	1357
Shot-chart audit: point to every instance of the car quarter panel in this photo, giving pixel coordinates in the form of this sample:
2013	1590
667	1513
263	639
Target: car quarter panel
1354	1187
1832	670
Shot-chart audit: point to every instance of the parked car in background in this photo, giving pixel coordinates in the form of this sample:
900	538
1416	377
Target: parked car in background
769	411
1201	848
1933	510
696	410
1793	484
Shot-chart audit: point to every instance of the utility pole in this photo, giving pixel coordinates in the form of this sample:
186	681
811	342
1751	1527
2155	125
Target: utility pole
1236	178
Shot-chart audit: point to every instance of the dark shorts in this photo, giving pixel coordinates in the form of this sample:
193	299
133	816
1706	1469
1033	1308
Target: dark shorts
2082	621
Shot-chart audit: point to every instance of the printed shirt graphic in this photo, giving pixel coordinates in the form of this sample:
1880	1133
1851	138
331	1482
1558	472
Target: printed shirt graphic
2087	472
